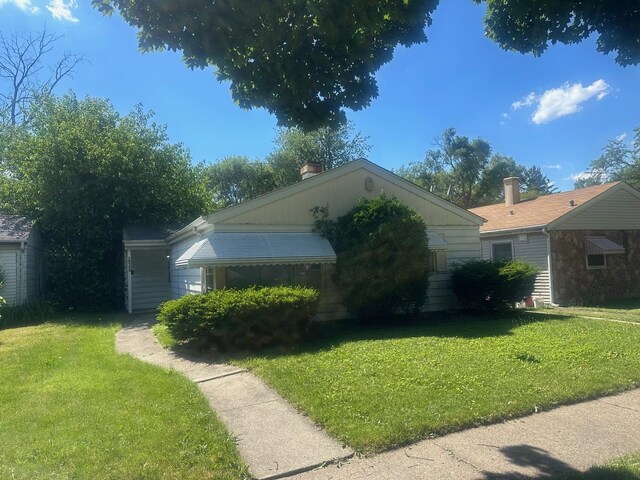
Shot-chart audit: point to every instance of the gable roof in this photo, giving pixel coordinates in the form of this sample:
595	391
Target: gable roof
324	177
14	228
540	211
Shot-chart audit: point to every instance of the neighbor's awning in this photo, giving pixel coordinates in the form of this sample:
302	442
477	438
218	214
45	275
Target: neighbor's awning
436	242
227	249
602	245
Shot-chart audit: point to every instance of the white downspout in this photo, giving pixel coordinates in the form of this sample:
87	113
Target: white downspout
546	233
129	286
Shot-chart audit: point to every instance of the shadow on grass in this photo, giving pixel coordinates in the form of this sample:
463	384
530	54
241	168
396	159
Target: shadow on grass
327	335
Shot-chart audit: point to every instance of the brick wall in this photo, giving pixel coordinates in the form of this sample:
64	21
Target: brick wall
574	284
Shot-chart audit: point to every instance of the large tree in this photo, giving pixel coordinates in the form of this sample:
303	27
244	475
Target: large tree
619	161
466	173
27	73
307	60
328	146
236	179
83	172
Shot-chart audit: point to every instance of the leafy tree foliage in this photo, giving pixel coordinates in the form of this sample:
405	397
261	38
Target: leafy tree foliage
382	257
83	172
22	62
305	61
464	172
529	26
302	60
327	146
236	179
619	161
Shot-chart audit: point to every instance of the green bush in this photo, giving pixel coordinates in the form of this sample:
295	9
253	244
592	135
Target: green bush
382	257
25	314
238	319
489	285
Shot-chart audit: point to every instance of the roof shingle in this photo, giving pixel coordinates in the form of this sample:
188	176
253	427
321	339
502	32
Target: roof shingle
536	212
14	228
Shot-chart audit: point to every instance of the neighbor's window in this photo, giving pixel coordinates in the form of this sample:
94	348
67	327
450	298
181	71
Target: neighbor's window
242	277
502	251
309	275
596	261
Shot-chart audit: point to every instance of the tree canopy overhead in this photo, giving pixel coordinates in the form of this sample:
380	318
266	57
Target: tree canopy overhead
301	60
307	60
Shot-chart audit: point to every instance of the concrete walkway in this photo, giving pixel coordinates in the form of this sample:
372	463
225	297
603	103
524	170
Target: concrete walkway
274	439
277	441
564	440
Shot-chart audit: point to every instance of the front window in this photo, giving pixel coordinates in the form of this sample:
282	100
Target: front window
308	275
502	251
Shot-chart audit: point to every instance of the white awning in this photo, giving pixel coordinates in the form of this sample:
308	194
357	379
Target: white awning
602	245
436	242
252	248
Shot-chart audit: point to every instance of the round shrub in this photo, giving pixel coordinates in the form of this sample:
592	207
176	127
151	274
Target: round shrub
241	319
489	285
382	258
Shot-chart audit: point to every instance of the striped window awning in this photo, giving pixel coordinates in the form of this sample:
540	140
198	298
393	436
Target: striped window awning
254	248
602	246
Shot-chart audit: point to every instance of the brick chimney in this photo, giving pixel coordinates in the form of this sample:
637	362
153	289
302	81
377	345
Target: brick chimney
310	169
511	191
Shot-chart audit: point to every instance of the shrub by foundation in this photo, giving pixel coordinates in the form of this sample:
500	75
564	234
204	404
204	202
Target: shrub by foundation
490	285
241	319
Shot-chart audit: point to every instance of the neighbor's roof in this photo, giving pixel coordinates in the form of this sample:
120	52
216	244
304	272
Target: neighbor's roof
14	228
537	212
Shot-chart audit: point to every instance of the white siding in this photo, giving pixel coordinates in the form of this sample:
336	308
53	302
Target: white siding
463	244
617	211
183	280
10	258
150	278
533	250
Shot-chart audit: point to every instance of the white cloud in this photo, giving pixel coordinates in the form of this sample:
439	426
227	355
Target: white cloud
558	102
524	102
556	166
59	9
24	5
62	10
582	176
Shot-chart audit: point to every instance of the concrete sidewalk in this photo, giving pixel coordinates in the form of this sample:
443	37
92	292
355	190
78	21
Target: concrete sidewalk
274	439
564	440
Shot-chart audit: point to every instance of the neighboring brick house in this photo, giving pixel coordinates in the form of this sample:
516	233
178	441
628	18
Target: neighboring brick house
586	242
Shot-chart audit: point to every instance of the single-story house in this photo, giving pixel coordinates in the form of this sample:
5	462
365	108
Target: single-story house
585	242
270	241
21	259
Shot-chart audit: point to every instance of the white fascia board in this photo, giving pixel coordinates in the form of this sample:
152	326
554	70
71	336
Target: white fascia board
145	244
509	231
191	229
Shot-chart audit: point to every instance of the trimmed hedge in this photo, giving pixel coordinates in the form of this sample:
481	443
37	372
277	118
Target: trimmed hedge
241	319
489	285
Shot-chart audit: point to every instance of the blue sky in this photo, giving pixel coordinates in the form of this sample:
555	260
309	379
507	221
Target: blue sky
556	111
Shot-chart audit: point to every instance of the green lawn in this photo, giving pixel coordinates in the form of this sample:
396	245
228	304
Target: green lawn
379	388
625	310
71	408
625	468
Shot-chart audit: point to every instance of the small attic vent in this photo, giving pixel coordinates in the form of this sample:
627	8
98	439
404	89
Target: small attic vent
572	203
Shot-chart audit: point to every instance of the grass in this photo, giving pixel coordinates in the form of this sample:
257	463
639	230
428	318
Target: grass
625	468
70	407
625	310
376	389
